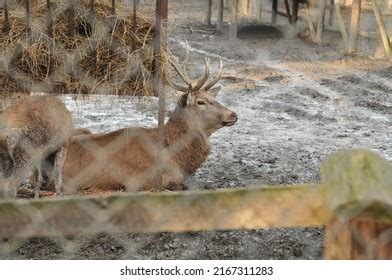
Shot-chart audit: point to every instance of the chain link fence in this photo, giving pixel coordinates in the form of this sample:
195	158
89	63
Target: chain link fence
353	202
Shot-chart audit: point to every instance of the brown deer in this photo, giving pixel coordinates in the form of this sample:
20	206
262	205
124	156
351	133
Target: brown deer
128	158
44	173
30	130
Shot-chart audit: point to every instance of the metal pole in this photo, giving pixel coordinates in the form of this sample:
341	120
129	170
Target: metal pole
158	90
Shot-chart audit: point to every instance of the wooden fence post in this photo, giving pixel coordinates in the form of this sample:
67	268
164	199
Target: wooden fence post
309	19
320	21
274	11
354	27
359	195
71	18
113	7
219	24
49	19
245	7
6	23
342	25
381	27
28	17
234	19
209	11
331	12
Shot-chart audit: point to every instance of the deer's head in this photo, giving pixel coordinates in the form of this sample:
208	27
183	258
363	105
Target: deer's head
198	98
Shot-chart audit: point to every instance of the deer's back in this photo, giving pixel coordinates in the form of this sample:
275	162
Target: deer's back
40	123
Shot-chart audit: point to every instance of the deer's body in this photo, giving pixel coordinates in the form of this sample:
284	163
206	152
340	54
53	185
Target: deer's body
132	157
45	171
30	130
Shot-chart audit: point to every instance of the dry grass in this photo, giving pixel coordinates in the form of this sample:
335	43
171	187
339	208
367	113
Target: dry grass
36	59
114	54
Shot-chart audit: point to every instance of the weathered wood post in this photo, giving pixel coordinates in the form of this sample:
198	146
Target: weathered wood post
274	13
28	17
209	12
49	19
354	26
219	23
309	19
381	27
342	25
331	12
234	19
320	21
359	195
71	18
6	22
245	7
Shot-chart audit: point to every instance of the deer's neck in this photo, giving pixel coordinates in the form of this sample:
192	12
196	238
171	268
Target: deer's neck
187	143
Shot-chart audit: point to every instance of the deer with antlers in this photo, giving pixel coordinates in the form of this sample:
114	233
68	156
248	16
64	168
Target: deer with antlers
127	158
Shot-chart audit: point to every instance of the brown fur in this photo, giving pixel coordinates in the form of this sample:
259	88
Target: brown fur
127	158
30	130
48	166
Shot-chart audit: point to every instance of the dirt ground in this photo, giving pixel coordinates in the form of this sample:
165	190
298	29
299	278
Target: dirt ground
297	103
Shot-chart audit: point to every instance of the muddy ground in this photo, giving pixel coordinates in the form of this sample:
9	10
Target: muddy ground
297	103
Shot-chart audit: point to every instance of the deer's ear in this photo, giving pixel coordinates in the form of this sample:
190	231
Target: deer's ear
184	99
214	91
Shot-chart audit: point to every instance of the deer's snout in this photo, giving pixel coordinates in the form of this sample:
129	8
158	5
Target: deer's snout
231	119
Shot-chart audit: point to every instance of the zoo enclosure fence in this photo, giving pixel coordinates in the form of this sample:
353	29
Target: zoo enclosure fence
353	202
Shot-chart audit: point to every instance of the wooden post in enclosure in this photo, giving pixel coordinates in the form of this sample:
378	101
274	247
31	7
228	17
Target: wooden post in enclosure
354	26
381	27
71	18
331	12
49	19
159	91
6	23
320	21
245	7
209	12
359	194
274	13
113	7
28	17
234	19
134	23
342	25
219	24
309	19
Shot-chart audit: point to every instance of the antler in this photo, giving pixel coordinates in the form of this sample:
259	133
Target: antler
216	79
195	85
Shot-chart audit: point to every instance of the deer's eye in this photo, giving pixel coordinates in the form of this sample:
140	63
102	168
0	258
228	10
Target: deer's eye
201	102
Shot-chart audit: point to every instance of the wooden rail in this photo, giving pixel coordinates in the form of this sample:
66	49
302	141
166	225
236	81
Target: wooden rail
354	202
241	208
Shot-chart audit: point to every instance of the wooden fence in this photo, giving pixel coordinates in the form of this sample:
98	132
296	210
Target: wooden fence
350	29
354	202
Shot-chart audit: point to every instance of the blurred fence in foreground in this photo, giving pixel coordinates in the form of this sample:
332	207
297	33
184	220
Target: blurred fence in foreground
354	202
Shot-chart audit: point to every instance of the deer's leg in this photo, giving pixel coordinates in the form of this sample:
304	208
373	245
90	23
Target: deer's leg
40	179
59	161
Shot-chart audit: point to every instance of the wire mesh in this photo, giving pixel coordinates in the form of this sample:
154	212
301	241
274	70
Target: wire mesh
104	226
